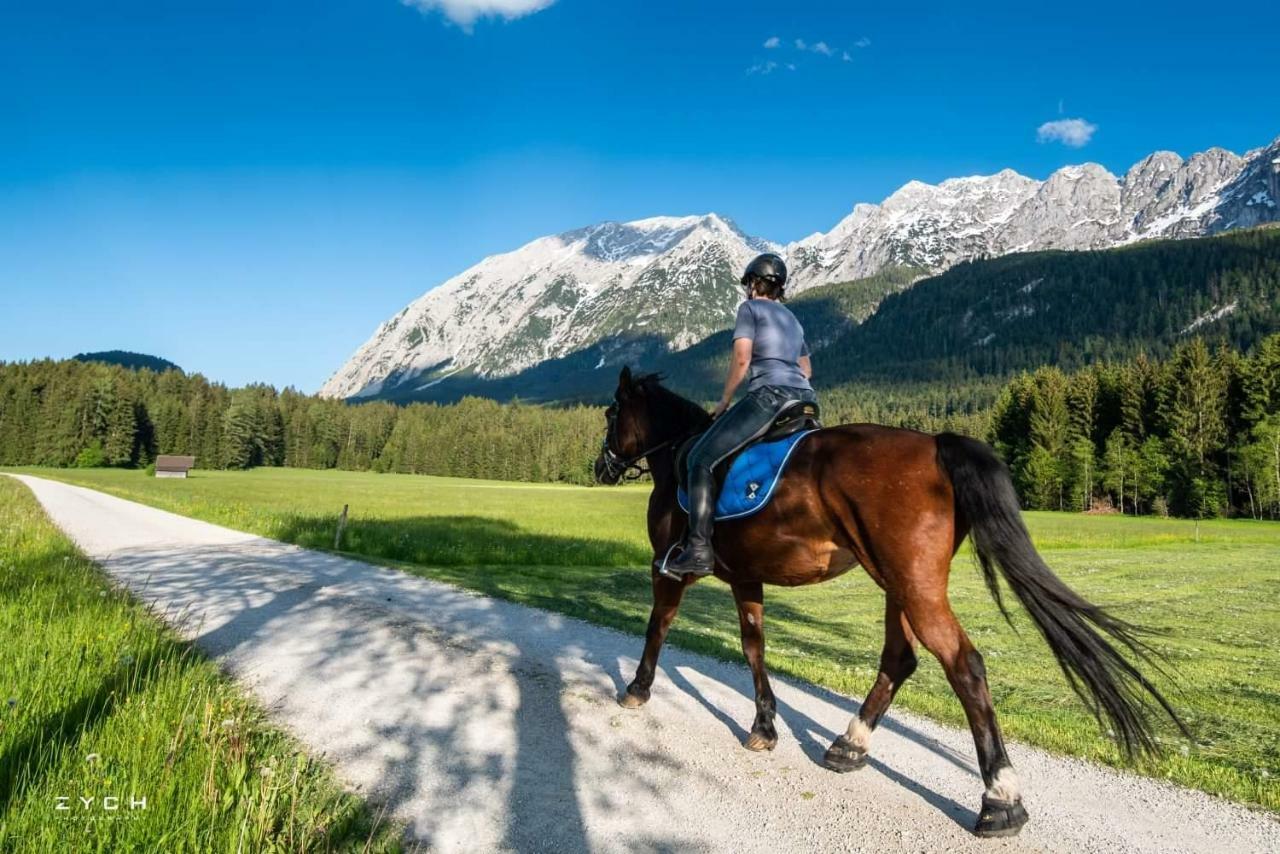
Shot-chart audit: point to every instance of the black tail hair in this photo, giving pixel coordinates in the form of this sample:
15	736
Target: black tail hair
1108	683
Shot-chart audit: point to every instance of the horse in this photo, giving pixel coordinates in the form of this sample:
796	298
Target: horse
899	503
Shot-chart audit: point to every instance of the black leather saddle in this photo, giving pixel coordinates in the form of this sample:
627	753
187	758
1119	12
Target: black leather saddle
795	416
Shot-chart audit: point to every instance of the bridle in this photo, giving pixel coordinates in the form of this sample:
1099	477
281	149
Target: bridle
617	467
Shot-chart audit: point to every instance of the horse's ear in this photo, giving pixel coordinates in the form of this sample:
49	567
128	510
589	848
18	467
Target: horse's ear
624	378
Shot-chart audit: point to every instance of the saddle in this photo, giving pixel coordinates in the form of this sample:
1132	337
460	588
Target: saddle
757	464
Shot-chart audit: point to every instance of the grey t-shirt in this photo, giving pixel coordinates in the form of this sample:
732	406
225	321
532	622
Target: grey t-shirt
777	344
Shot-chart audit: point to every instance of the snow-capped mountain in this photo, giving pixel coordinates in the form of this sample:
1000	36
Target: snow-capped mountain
1077	207
673	280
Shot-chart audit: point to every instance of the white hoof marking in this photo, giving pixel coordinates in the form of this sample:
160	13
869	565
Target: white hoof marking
860	734
1005	787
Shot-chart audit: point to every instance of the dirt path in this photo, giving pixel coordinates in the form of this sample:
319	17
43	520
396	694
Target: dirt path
486	725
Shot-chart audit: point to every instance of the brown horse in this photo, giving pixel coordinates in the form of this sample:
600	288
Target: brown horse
899	503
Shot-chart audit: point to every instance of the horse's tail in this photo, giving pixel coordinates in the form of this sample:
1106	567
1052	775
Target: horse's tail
1108	683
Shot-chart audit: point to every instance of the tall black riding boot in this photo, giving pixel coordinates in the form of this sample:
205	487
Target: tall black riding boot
697	558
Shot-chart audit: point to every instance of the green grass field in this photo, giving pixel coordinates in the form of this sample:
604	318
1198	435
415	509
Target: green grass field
98	700
1213	593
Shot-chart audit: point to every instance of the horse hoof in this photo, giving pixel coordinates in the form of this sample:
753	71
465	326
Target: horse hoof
1000	818
842	756
630	700
758	742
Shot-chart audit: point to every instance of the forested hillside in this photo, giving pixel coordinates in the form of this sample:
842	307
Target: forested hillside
1068	309
126	359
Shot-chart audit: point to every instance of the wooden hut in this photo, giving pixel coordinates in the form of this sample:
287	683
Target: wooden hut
174	466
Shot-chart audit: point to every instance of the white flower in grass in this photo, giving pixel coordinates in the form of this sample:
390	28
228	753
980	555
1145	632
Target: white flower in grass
92	758
126	659
228	723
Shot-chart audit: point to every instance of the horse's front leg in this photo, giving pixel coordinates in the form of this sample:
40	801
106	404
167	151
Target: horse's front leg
750	599
667	594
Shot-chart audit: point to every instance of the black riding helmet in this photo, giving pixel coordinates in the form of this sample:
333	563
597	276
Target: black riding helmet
769	267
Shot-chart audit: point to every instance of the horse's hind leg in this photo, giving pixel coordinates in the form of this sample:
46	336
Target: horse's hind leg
897	663
750	599
667	594
936	626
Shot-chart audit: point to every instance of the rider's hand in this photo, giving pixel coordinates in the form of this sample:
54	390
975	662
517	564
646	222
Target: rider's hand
720	409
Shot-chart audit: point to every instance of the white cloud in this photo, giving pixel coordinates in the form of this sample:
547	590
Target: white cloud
464	13
770	66
1073	132
821	48
862	42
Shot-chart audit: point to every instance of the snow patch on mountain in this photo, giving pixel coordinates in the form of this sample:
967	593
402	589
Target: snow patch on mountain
1214	314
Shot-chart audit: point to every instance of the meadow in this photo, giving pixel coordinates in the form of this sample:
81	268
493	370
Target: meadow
98	700
1210	592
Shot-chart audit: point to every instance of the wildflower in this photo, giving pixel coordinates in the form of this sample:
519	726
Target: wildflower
268	771
229	722
92	758
126	659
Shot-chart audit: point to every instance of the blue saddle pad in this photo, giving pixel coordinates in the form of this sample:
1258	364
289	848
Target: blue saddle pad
752	478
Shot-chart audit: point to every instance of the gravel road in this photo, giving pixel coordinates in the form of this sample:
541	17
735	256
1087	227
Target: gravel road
485	725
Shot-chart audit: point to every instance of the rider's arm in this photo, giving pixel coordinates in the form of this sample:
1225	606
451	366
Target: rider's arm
737	371
806	366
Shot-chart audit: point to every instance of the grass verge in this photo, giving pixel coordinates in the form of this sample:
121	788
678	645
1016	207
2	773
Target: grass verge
115	735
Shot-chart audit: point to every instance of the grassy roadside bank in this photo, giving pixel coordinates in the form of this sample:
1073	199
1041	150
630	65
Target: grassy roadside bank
1213	593
115	735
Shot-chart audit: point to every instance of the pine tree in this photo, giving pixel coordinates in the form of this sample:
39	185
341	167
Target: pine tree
1194	412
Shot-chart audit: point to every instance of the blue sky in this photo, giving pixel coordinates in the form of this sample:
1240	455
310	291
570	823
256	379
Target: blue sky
285	176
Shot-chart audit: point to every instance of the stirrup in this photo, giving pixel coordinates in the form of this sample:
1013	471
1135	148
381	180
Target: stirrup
666	571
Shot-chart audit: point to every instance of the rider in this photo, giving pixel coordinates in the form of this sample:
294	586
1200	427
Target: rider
769	341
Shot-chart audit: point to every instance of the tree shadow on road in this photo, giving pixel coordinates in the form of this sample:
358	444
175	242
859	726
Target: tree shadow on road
384	651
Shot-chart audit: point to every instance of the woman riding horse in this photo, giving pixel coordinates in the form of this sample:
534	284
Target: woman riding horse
768	341
899	503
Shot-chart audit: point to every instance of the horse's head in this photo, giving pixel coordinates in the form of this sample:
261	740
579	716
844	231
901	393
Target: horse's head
627	430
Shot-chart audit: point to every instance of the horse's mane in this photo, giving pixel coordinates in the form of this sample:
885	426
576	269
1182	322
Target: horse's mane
683	412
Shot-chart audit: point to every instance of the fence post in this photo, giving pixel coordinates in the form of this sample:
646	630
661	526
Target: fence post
342	524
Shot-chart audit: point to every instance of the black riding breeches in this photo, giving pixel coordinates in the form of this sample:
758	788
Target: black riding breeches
746	420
